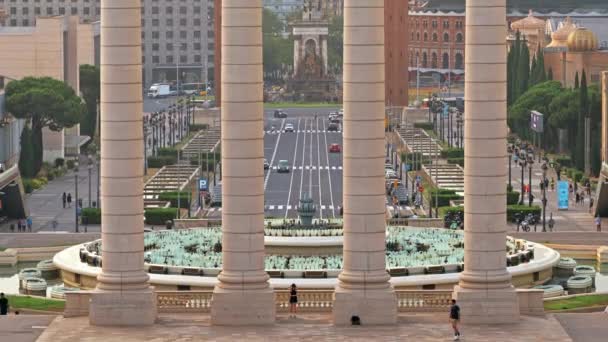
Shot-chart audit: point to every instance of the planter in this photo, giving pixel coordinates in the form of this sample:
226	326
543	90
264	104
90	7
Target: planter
585	270
579	284
565	267
551	291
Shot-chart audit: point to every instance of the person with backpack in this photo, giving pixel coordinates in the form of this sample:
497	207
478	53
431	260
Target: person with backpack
455	319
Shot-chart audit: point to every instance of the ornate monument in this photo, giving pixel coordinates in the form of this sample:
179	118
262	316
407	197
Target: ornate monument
311	80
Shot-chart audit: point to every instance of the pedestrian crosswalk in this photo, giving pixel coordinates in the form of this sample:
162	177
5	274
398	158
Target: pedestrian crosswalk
279	207
314	131
314	167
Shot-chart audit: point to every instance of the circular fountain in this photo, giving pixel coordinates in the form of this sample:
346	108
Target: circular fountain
309	255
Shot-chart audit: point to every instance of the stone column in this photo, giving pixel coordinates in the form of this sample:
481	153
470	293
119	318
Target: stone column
243	295
123	295
485	293
363	289
604	94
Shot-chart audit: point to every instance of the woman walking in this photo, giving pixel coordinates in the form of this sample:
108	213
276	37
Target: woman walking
293	301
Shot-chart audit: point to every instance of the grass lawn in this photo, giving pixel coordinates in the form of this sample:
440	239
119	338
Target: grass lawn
35	303
577	302
302	105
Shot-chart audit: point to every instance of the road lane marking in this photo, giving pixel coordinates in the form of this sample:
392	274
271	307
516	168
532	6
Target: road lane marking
274	154
331	194
295	155
319	173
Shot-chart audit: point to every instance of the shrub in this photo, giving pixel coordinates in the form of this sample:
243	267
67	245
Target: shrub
198	127
167	151
70	164
91	215
37	183
457	161
159	216
184	198
27	185
443	197
564	161
51	174
160	161
577	176
509	188
427	126
452	152
513	209
513	197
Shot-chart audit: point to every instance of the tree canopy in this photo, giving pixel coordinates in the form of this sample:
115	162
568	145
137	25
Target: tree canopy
277	49
43	102
91	91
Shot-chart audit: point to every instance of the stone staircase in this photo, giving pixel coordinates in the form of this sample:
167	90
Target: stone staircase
449	176
169	178
418	141
204	141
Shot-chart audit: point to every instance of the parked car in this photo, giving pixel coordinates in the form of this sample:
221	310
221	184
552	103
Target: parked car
266	164
283	166
279	113
390	174
289	128
333	127
334	148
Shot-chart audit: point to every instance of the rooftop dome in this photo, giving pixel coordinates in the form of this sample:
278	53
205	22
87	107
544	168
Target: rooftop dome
529	22
582	39
559	38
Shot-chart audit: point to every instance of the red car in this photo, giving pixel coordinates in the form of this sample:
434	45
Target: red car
334	148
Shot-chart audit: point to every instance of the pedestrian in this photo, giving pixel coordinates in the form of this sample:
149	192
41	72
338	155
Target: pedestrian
552	184
455	318
598	223
577	198
583	198
64	199
12	227
546	183
551	222
590	204
69	200
530	199
3	305
30	223
588	187
293	301
19	227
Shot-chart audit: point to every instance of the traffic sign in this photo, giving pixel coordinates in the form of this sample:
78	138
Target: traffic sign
203	185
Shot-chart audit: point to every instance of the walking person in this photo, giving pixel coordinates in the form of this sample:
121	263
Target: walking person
598	223
69	200
551	222
552	184
29	223
3	305
591	204
64	199
455	319
293	301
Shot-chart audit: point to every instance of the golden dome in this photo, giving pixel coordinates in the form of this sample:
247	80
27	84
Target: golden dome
582	40
559	38
529	22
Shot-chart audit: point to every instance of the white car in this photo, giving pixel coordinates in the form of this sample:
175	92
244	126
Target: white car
289	128
390	174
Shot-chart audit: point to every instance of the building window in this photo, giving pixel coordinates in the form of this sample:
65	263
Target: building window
169	59
197	58
434	37
169	46
74	10
169	34
458	61
446	37
459	37
424	60
183	59
434	60
446	61
155	59
426	36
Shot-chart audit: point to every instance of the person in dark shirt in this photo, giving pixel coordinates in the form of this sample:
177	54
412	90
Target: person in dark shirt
293	301
3	304
455	318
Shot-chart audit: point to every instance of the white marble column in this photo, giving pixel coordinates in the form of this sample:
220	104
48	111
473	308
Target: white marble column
364	289
485	293
243	295
123	295
604	94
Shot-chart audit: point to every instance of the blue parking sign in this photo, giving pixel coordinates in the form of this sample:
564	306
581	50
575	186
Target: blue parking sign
203	185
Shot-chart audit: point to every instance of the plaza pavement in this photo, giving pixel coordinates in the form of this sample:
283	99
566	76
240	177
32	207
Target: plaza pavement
23	328
314	328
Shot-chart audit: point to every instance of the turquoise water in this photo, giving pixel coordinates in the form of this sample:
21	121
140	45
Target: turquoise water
9	278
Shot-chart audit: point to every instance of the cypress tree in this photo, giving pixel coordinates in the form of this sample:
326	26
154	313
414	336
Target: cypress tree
550	74
26	156
523	71
540	63
576	82
533	72
582	114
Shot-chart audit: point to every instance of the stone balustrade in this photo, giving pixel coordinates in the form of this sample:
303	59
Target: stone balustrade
424	300
184	301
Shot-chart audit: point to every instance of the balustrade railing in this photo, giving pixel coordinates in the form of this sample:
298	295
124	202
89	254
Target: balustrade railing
308	301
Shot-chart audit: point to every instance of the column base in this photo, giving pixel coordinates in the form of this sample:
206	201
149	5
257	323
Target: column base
243	307
480	306
373	307
124	308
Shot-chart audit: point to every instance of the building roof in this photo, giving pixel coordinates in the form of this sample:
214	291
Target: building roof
581	40
529	22
523	6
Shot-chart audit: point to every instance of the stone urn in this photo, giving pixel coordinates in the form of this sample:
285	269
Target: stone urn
306	209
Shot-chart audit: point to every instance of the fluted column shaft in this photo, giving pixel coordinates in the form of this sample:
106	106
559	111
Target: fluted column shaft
242	145
122	150
364	289
485	292
243	294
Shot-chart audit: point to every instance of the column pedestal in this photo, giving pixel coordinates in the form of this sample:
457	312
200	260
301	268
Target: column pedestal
373	307
479	306
126	308
242	307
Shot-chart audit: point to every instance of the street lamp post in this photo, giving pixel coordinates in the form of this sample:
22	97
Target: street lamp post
544	168
522	164
510	152
530	164
76	170
90	169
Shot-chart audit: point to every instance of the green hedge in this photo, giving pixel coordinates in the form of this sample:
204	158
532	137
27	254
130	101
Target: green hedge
457	161
167	151
160	161
513	197
564	161
184	198
91	215
577	175
31	184
159	216
424	125
198	127
513	209
409	157
444	196
452	152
